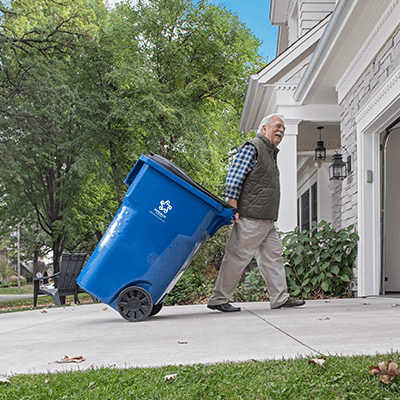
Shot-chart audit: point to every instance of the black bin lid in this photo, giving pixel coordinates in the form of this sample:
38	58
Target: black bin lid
171	167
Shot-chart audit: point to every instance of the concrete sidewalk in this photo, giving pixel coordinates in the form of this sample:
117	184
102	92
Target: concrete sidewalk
32	341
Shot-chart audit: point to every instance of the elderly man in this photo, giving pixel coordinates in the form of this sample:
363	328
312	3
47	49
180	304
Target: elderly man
252	186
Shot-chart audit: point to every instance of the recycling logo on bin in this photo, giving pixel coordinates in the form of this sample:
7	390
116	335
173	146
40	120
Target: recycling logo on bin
163	208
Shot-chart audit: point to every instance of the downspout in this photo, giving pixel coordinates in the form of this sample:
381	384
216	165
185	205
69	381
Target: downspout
389	130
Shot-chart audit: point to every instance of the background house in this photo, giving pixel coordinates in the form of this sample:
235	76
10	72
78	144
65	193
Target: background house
338	67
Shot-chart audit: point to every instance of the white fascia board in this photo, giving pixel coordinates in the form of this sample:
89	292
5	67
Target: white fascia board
338	19
262	101
261	85
278	12
323	113
248	102
266	75
375	41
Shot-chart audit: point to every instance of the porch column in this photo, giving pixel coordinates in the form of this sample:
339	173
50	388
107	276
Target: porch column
369	225
287	163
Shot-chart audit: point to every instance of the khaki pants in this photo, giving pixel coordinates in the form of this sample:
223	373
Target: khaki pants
249	238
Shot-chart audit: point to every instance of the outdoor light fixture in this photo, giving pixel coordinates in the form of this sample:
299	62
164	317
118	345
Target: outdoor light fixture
320	151
339	169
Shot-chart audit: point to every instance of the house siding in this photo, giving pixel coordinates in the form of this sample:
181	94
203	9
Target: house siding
376	74
311	12
303	15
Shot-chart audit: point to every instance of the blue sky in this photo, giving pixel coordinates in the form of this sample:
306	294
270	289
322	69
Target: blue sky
255	14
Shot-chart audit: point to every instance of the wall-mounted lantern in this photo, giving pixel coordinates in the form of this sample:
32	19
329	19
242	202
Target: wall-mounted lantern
339	169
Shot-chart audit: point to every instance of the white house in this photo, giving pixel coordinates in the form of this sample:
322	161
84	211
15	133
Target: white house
338	67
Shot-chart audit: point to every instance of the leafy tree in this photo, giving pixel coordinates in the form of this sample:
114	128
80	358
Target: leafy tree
179	81
84	92
39	125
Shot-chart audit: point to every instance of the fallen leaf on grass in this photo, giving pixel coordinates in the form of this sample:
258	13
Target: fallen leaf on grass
388	372
4	379
67	359
318	361
209	372
170	377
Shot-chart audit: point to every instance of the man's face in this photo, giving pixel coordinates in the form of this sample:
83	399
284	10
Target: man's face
274	131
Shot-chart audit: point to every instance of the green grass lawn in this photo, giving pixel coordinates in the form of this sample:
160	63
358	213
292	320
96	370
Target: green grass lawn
339	377
342	378
25	289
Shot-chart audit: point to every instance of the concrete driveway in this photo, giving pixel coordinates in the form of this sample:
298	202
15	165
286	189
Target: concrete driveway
33	341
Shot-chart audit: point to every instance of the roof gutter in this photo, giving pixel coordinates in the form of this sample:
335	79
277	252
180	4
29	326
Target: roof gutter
334	25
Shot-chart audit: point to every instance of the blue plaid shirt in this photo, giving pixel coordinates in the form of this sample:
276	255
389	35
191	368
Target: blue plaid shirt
245	160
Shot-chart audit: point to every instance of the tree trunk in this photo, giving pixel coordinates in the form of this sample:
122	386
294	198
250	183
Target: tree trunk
35	261
99	235
57	253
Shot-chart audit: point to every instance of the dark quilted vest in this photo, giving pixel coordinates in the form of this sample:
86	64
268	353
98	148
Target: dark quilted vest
260	193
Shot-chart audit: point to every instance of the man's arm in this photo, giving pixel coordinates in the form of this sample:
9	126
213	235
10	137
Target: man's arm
244	161
233	203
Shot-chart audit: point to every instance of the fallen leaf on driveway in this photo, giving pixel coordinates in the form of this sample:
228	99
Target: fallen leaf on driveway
4	379
318	361
179	342
67	359
43	312
170	377
105	308
323	319
388	372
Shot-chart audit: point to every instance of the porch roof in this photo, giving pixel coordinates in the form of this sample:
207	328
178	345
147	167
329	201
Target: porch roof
349	29
260	99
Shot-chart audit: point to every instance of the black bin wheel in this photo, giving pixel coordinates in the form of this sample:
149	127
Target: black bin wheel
156	309
134	304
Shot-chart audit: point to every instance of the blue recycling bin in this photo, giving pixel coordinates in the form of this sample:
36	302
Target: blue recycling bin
162	223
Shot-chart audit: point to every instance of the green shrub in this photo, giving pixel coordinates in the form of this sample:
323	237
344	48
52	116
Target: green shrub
188	289
319	261
14	280
252	288
213	250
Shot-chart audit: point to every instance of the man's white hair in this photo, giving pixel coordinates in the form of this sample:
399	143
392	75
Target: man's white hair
266	120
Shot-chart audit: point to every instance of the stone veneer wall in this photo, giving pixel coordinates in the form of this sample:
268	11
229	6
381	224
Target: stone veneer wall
376	74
